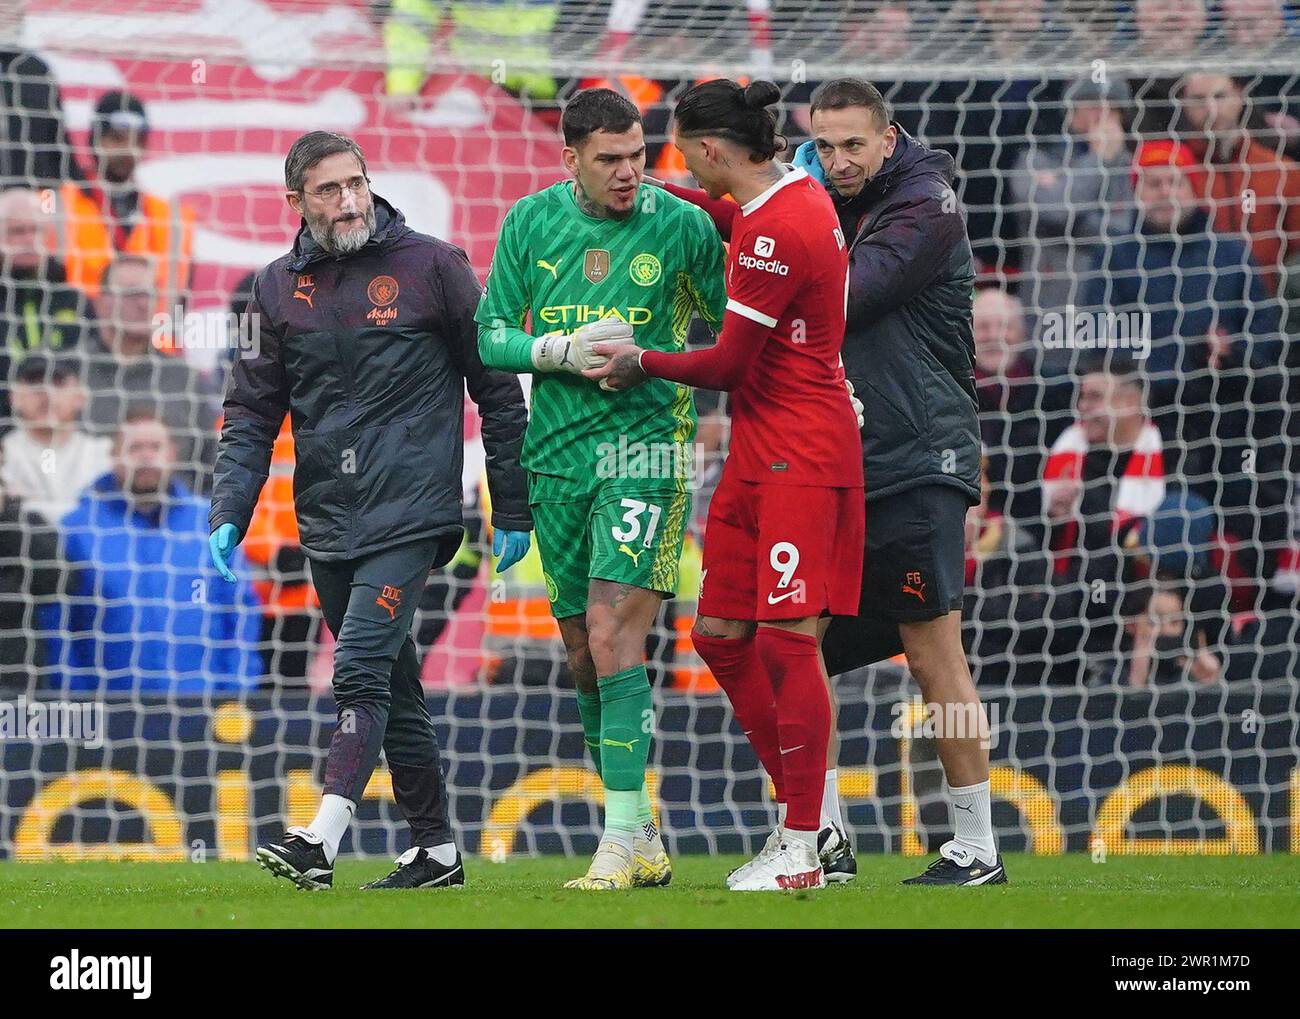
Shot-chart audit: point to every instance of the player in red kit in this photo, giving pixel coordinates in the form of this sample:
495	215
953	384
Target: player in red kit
783	542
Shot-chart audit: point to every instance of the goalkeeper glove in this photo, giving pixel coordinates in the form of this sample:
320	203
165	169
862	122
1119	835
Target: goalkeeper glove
556	352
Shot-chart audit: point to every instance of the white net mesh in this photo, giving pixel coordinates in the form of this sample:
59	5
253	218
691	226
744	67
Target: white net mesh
1142	678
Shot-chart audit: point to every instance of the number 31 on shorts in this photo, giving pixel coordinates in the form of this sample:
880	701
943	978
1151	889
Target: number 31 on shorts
636	510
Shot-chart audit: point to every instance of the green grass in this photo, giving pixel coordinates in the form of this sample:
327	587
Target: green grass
1063	891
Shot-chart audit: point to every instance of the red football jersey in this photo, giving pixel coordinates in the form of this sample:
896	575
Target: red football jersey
787	269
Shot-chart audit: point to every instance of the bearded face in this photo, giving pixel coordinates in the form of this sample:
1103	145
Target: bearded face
343	232
336	203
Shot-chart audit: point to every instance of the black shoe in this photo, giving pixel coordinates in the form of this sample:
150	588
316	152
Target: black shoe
299	856
966	869
417	869
838	862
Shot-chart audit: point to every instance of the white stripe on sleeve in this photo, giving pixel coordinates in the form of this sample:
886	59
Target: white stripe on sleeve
750	313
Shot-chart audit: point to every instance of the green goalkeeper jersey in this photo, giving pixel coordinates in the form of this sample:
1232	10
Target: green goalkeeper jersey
556	268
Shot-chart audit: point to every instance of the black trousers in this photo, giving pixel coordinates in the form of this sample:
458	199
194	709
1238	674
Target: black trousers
369	604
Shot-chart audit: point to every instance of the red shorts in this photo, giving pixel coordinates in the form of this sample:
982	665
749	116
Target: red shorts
782	551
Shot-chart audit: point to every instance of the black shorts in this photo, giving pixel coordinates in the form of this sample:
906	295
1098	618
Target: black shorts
914	569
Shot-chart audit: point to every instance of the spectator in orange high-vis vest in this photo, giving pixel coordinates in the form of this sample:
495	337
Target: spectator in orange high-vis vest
110	214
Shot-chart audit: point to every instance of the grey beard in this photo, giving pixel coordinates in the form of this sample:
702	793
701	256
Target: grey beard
325	234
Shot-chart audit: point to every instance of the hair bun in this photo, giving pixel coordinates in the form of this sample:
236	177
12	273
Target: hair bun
760	94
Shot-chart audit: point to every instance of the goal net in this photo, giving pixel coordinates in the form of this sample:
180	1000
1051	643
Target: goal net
1131	605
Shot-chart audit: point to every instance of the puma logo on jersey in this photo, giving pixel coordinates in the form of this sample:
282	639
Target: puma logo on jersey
552	269
634	556
619	743
918	592
306	290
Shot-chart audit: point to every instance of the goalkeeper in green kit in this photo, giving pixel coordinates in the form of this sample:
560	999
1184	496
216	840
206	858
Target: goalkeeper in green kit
605	257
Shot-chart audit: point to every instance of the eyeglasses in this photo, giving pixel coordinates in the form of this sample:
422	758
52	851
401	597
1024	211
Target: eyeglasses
333	191
131	293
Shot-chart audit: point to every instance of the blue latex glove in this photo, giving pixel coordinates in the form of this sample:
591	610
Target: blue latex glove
806	156
510	547
221	543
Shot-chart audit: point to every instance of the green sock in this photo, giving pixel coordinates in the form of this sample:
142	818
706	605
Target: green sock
626	726
589	712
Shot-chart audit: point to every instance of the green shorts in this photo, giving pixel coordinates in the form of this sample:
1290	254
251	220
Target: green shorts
628	537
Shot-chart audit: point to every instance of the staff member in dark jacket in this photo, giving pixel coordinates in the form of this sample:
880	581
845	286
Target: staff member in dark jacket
909	352
367	340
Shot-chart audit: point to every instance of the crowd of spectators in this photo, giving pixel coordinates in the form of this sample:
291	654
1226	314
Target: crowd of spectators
107	435
1136	327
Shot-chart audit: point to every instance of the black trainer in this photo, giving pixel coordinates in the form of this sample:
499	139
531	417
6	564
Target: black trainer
299	856
838	862
417	869
957	866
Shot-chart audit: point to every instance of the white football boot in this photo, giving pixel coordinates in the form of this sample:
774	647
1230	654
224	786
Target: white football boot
791	867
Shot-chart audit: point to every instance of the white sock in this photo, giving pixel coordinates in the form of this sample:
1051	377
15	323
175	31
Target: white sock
780	815
973	819
831	801
808	839
445	854
331	822
622	838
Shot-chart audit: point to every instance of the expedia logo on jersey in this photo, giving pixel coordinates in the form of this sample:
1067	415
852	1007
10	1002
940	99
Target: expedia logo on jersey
764	247
382	292
574	315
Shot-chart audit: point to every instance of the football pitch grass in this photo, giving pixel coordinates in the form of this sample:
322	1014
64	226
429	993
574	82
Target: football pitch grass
1060	891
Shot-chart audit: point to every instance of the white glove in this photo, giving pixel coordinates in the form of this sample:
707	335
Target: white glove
556	352
858	408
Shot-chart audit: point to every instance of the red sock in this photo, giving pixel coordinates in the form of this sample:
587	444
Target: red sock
736	667
803	714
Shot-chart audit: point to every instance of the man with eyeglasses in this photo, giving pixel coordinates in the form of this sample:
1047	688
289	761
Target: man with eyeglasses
367	340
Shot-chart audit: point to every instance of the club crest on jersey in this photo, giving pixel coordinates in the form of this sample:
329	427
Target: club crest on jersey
382	292
595	265
645	270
